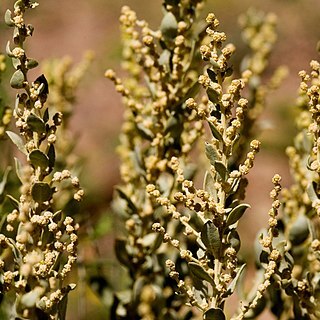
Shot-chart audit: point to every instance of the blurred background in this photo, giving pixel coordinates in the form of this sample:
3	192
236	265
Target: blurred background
70	28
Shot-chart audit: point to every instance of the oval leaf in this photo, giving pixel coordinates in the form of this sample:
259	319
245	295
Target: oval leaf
199	272
233	284
236	214
17	80
39	159
8	18
211	238
214	314
169	25
211	153
213	95
299	231
36	124
121	252
130	203
17	140
234	240
208	185
41	192
8	50
311	192
31	63
212	75
215	132
221	169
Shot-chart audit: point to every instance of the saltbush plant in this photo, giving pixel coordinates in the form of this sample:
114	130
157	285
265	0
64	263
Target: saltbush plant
38	240
190	115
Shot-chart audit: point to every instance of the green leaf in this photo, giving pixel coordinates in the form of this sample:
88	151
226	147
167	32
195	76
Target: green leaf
164	58
31	63
199	272
221	169
233	284
16	63
38	159
194	89
123	196
234	240
216	134
17	80
121	252
253	313
311	192
43	84
208	185
299	231
62	306
169	26
17	140
14	201
145	132
4	180
19	169
138	288
211	238
8	18
36	124
236	213
211	153
174	127
213	95
51	156
46	115
8	50
41	192
214	314
212	75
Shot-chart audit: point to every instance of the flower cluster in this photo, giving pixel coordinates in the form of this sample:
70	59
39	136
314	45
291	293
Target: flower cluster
37	236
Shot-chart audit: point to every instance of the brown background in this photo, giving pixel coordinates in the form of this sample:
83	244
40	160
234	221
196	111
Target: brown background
71	27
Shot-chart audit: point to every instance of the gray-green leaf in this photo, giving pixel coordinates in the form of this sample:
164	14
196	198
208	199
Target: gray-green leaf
299	231
311	192
31	63
214	314
213	95
38	159
169	25
199	272
215	132
121	251
17	80
17	140
211	238
236	214
211	153
8	18
221	169
233	284
41	192
36	124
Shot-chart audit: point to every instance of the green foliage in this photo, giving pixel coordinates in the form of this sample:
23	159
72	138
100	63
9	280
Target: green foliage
160	196
38	241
